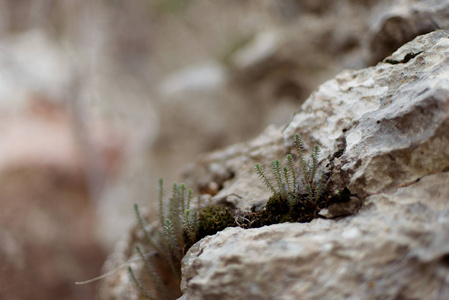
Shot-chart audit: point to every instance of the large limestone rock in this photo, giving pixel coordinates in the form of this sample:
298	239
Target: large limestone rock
378	128
384	131
390	250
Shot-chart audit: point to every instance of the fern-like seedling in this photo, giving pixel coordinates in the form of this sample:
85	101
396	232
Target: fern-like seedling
178	231
139	285
294	187
181	224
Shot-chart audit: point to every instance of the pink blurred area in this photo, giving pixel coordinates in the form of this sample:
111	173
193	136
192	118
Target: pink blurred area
44	135
48	212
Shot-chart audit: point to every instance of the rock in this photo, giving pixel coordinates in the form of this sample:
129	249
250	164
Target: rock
208	76
384	132
285	63
341	209
384	137
261	49
356	119
390	250
402	22
237	163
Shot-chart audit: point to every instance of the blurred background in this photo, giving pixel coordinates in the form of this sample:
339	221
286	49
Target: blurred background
100	98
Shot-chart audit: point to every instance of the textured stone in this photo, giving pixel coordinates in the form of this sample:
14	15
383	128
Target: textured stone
391	119
390	250
384	132
384	137
402	22
378	129
341	209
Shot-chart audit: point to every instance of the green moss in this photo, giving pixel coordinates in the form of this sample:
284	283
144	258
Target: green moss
281	209
213	219
276	210
303	211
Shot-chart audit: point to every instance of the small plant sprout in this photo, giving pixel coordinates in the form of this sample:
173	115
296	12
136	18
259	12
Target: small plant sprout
178	231
294	187
139	285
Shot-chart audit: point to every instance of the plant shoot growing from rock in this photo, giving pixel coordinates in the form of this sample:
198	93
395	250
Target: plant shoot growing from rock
179	230
297	187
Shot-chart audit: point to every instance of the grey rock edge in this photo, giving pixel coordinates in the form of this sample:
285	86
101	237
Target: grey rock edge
384	133
399	22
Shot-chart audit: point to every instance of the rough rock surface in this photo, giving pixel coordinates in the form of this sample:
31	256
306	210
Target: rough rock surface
390	250
401	22
365	121
384	131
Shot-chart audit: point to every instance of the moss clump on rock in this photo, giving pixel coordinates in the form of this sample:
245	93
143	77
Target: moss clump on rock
280	210
213	219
